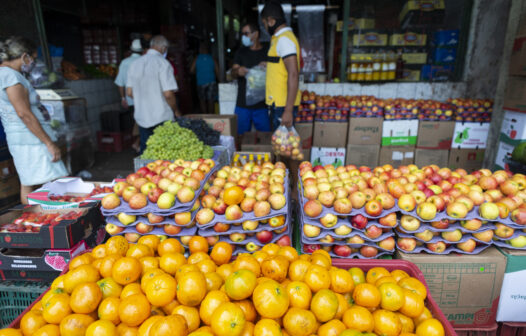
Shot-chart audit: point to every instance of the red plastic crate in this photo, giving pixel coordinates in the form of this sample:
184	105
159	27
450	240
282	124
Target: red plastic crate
513	329
474	331
410	269
114	141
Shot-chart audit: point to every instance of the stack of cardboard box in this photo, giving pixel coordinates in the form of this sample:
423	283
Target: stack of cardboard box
434	142
9	183
399	138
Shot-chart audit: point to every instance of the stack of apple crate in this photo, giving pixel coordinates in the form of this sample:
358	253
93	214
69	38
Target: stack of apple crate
343	226
256	221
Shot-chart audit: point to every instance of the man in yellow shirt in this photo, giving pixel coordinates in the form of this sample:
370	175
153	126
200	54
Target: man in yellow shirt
283	64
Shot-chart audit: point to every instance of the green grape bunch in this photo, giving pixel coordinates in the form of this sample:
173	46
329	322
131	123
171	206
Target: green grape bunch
169	141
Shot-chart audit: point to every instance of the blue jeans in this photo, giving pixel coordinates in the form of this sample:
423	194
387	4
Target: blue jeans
247	116
277	112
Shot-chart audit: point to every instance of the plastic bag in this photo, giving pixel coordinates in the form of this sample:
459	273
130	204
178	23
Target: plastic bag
287	143
255	88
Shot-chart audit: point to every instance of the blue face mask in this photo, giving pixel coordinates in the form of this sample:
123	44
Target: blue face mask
27	68
165	54
246	41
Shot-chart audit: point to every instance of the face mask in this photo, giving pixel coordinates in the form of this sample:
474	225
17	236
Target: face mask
27	68
272	30
165	54
247	42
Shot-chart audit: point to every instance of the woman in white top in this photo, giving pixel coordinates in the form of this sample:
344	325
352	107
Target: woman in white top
29	137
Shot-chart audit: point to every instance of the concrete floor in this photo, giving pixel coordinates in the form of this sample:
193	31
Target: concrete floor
109	166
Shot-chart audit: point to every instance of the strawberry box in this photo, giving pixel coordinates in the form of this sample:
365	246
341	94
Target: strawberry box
31	226
69	192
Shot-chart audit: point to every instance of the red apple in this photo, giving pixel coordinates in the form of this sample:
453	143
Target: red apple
312	208
373	208
406	244
171	230
342	250
368	251
221	227
438	247
359	221
264	237
138	201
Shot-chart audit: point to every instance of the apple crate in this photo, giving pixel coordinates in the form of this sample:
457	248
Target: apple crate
220	157
474	331
513	329
16	296
410	269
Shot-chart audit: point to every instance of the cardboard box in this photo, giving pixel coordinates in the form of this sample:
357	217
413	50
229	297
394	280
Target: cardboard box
410	75
446	37
399	132
256	142
224	123
369	39
515	95
504	151
426	157
321	156
306	154
329	134
512	303
436	73
305	131
9	187
63	235
70	186
468	159
513	128
415	58
470	135
435	134
363	155
465	287
408	39
518	57
365	131
397	156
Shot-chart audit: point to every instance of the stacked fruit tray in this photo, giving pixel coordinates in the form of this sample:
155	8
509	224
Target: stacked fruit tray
434	110
247	207
305	112
472	110
401	109
161	198
340	219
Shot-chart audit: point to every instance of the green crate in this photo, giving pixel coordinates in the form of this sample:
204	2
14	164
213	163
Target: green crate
16	296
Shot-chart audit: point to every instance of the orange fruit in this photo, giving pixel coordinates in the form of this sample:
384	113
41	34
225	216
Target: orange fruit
49	294
407	323
385	279
206	266
146	326
169	245
148	263
56	308
58	282
139	251
109	288
197	257
341	281
248	330
211	301
126	270
322	260
414	285
83	259
149	240
101	328
191	288
160	290
130	289
198	244
430	327
413	304
225	270
85	298
240	284
10	332
213	281
426	314
299	294
75	324
271	249
366	295
134	310
47	330
392	296
221	253
267	327
376	273
109	310
168	309
228	320
270	299
386	323
288	252
96	263
343	305
359	318
317	278
149	275
81	274
331	328
169	325
357	275
300	322
324	305
186	268
125	330
298	269
106	265
31	322
260	256
233	195
305	257
190	314
322	252
117	245
157	311
399	274
247	262
275	267
248	309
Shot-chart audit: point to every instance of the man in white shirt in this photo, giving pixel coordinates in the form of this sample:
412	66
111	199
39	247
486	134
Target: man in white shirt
151	83
122	76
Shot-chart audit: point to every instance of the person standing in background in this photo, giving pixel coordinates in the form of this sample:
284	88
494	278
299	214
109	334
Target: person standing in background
251	54
206	71
152	85
122	76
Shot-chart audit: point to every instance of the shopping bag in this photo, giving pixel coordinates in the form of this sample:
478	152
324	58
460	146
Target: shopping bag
286	142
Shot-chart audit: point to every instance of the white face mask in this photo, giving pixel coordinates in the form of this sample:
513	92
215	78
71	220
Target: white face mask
246	41
28	67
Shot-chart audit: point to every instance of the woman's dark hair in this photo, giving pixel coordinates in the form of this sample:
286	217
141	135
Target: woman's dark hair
253	27
272	9
14	47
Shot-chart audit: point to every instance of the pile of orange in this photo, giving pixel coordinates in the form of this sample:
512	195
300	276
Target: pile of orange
151	288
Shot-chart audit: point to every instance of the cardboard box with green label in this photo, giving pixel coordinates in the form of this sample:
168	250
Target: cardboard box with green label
399	132
470	135
512	303
513	128
321	156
